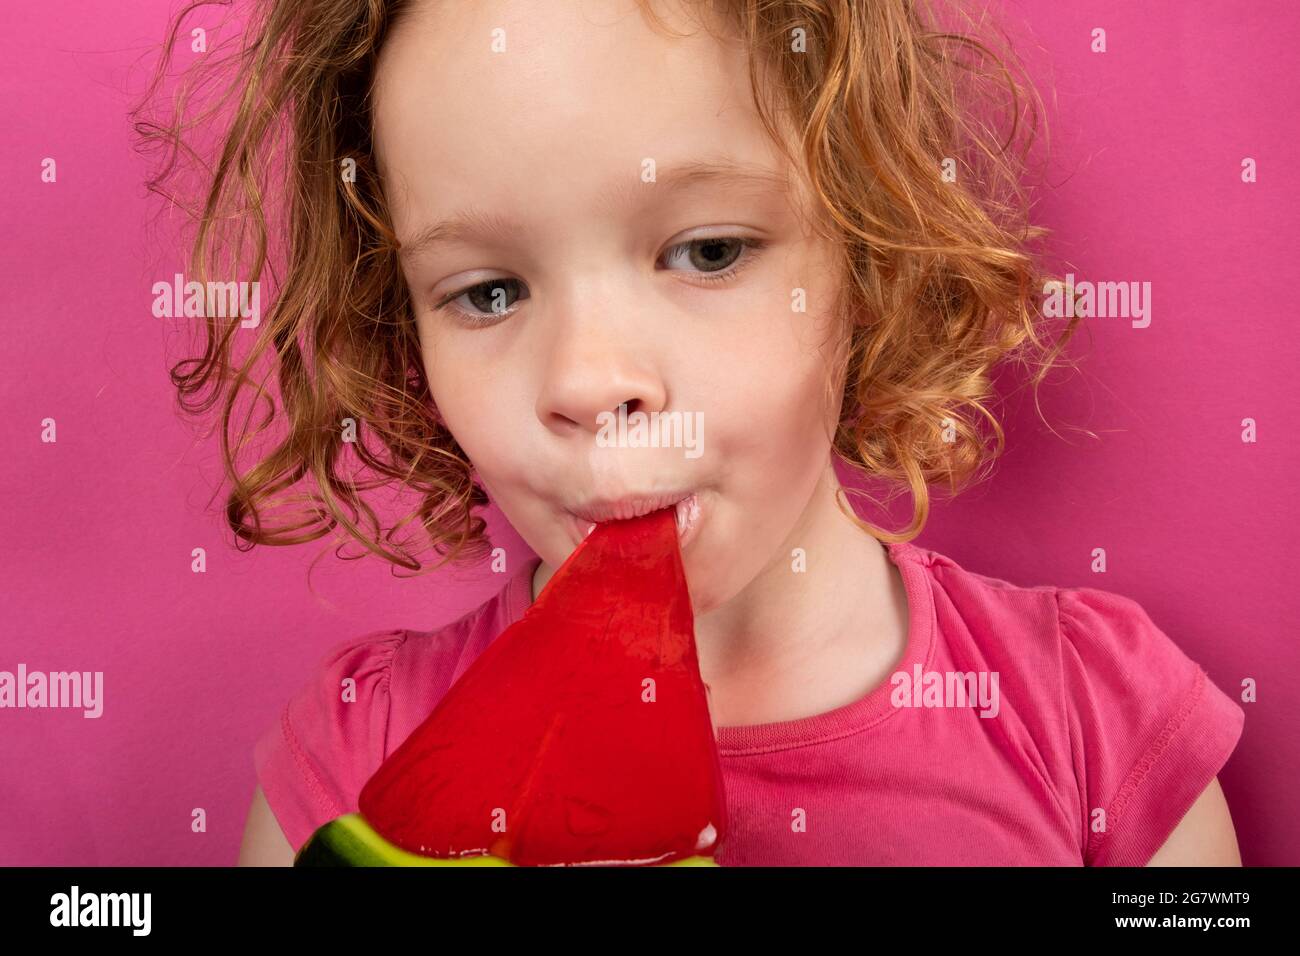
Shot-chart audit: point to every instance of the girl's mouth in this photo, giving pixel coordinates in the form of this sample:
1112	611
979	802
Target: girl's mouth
687	512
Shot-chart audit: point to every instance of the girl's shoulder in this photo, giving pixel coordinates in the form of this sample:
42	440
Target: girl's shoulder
1083	620
1122	722
362	699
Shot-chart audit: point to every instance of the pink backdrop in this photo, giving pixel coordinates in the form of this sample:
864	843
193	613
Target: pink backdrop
1148	141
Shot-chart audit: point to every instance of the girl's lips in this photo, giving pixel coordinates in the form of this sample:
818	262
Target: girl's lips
688	519
687	512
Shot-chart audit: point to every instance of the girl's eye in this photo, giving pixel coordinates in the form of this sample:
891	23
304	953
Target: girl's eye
713	256
491	299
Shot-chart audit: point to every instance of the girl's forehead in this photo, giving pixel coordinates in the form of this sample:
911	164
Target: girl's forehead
561	107
476	89
466	55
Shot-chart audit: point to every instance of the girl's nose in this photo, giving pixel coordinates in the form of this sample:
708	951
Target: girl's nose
589	372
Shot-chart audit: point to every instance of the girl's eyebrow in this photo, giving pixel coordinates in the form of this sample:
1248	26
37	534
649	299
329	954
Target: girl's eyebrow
473	222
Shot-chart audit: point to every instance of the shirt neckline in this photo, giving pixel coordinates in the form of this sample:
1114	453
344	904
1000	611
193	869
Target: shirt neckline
862	714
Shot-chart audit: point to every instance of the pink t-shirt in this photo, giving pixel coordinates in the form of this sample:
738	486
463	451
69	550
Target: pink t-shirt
1102	736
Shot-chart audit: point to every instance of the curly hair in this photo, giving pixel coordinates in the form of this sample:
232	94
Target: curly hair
897	123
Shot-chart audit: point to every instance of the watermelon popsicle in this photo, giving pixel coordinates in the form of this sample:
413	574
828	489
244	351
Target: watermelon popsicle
580	736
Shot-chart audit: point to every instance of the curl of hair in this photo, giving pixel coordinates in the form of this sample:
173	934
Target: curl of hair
939	283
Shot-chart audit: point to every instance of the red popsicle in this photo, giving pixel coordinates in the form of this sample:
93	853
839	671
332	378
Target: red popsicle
581	735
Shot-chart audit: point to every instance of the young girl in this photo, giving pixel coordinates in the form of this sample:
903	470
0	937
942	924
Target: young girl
792	223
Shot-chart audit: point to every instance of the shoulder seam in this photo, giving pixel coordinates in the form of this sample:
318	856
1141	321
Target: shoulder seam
1144	764
1137	773
300	758
387	680
314	786
1084	831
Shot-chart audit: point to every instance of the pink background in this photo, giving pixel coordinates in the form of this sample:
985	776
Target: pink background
1147	143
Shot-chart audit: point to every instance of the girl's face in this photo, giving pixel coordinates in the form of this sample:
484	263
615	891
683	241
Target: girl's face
616	228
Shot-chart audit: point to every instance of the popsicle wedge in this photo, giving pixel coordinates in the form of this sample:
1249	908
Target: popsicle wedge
580	736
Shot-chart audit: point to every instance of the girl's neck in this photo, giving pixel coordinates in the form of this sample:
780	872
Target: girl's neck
793	643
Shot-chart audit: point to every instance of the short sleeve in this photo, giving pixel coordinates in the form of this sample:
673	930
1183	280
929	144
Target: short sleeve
1148	728
329	738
